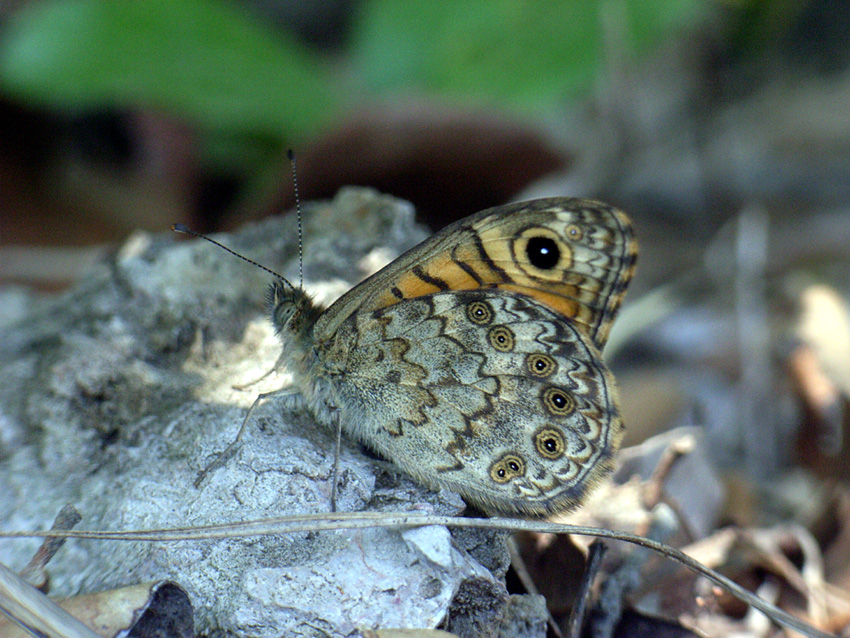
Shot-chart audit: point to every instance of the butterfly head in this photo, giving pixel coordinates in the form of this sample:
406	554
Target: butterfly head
292	311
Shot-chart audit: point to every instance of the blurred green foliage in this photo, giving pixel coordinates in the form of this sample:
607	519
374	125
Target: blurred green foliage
202	58
520	54
210	62
251	88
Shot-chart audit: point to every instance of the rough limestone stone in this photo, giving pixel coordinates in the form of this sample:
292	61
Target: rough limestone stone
117	392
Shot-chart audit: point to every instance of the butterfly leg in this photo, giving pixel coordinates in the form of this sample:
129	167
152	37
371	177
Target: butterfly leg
337	450
245	386
231	449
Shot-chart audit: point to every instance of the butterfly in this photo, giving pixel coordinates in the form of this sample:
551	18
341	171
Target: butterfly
473	361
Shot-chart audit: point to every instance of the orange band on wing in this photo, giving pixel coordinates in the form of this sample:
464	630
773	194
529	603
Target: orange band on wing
438	274
562	305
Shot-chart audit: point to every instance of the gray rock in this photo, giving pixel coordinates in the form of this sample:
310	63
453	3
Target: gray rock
117	392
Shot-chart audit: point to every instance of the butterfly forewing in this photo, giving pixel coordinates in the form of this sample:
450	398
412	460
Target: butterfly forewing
575	256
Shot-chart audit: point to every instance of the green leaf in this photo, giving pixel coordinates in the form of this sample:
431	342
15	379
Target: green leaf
525	54
203	60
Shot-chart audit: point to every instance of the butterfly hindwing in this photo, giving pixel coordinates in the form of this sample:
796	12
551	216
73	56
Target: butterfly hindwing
486	392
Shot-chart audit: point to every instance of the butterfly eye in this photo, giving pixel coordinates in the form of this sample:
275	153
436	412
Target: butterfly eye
506	468
549	443
501	338
282	312
541	365
557	402
543	252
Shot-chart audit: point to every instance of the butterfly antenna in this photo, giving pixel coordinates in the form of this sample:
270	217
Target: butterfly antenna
291	155
182	228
